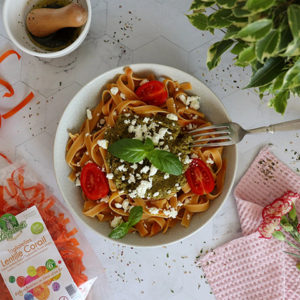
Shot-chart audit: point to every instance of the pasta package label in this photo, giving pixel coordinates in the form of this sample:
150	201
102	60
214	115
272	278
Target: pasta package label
30	263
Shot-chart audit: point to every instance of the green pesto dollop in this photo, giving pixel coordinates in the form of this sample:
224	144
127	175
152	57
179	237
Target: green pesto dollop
128	176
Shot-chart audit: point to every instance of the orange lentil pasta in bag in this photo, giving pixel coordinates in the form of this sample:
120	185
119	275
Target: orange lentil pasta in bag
142	109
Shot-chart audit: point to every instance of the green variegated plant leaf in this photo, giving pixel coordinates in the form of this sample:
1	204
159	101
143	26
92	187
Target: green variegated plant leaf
215	51
267	72
267	46
226	3
246	57
279	102
199	20
259	5
200	4
239	47
256	30
292	77
265	34
219	19
294	20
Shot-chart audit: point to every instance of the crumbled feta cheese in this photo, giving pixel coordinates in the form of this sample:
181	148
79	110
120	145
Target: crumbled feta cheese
116	221
126	122
77	182
194	155
118	205
160	135
89	114
166	148
125	205
193	102
110	176
123	178
86	153
156	194
210	161
171	213
134	166
144	81
145	169
188	216
166	176
177	184
87	134
141	162
127	115
122	168
146	120
105	199
179	204
177	89
182	97
138	176
153	210
169	191
103	143
122	95
131	179
102	121
114	90
187	160
153	171
172	117
143	187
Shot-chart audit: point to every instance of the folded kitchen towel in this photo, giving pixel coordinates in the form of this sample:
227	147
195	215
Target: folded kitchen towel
251	267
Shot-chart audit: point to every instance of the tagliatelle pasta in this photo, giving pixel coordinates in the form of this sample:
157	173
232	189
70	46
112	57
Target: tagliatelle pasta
83	147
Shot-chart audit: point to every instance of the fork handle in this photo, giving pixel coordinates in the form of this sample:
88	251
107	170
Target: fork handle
285	126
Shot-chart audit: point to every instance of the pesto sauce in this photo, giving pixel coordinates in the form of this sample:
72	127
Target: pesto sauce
59	39
179	145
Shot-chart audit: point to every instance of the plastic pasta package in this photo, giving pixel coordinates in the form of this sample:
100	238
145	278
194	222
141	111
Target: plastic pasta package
43	254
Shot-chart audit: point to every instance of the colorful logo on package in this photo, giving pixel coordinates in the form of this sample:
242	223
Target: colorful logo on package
9	225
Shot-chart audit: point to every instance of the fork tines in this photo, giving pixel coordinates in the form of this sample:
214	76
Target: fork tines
211	136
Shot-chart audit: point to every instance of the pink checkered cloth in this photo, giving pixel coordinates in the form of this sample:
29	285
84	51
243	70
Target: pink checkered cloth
251	267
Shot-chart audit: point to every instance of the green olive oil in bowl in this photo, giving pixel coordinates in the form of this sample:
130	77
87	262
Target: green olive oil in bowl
59	39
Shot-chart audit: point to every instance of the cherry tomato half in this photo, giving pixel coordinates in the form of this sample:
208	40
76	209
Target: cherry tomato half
153	93
199	177
93	182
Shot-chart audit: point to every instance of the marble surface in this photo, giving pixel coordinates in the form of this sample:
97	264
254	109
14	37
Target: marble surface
125	32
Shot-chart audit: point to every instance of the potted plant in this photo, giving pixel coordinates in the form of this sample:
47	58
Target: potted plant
264	34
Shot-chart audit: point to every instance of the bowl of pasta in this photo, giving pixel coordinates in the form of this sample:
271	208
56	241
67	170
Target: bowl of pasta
124	158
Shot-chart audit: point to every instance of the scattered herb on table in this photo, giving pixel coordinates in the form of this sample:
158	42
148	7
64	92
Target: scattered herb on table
263	35
134	151
134	217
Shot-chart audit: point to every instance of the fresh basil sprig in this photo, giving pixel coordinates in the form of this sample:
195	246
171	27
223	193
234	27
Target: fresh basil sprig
134	217
134	151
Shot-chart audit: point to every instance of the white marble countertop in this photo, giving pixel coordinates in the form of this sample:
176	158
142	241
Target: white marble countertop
125	32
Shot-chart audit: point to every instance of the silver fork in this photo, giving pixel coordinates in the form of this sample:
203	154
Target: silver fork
227	134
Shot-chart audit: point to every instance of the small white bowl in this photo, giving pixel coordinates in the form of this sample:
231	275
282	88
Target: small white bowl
75	114
14	18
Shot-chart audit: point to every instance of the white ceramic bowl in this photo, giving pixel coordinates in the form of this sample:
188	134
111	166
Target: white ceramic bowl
14	17
75	114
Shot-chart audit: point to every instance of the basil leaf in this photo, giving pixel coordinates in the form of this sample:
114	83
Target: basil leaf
135	215
130	150
149	146
267	72
120	231
165	161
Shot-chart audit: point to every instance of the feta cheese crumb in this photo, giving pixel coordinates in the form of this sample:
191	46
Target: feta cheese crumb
110	176
194	155
144	81
123	178
87	134
153	210
131	179
118	205
126	122
171	213
193	102
146	120
169	191
156	194
187	160
134	166
89	114
182	97
145	169
103	143
153	171
105	199
102	121
122	168
143	187
77	182
114	90
116	222
166	176
172	117
210	161
125	205
122	95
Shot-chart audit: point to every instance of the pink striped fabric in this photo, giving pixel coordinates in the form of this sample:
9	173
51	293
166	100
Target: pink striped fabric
251	267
